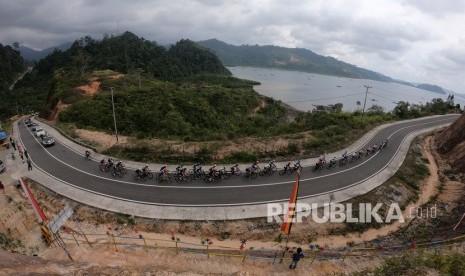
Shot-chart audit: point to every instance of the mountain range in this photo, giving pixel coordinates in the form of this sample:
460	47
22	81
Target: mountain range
270	56
30	54
298	59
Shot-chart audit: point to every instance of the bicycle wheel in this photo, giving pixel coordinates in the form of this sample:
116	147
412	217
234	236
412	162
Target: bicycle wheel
135	176
177	178
238	172
123	170
120	173
253	175
150	175
282	172
226	175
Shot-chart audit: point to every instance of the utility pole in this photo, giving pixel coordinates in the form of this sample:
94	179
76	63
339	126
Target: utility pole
364	103
114	116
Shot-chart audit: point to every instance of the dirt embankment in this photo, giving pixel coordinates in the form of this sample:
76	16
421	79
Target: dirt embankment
451	145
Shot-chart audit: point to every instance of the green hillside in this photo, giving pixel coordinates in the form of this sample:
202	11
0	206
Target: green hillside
287	58
181	92
11	66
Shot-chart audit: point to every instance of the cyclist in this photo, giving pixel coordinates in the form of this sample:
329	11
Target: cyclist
110	162
255	165
212	170
385	143
354	156
234	169
269	166
345	155
180	169
87	154
161	171
145	170
287	167
333	161
374	148
119	165
196	168
297	165
360	153
322	159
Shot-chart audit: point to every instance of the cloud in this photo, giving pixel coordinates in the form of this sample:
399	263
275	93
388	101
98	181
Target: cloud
414	40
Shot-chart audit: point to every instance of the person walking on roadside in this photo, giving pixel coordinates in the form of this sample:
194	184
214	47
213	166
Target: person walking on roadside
296	257
29	165
2	187
21	155
20	149
26	154
13	144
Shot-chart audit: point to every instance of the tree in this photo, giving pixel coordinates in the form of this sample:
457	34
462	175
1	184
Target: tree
450	101
81	61
402	110
336	108
375	110
437	106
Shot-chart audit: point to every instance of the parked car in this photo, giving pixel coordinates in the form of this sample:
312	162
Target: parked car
48	141
2	166
40	132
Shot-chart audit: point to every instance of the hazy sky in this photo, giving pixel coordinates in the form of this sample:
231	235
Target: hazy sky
417	40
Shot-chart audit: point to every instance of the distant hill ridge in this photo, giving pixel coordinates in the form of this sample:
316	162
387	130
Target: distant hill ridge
297	59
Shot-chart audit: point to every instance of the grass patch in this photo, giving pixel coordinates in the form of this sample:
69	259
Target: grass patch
420	264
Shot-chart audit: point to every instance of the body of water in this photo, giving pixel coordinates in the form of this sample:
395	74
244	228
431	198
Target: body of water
304	90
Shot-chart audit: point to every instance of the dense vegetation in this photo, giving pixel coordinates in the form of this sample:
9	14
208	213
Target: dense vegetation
11	66
204	108
55	76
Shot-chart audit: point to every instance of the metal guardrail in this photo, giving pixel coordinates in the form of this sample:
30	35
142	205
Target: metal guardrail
271	254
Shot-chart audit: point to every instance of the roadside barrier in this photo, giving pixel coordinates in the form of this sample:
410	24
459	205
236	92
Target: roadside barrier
206	247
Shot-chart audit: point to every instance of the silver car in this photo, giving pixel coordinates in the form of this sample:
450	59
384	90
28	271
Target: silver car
48	141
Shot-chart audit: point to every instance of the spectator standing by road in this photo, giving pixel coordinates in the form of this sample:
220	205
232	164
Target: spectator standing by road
296	257
29	165
13	143
26	154
21	155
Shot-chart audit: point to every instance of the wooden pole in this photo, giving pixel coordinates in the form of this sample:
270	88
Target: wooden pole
72	234
245	255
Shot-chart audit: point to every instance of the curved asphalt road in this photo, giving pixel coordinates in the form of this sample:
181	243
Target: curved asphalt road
72	169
